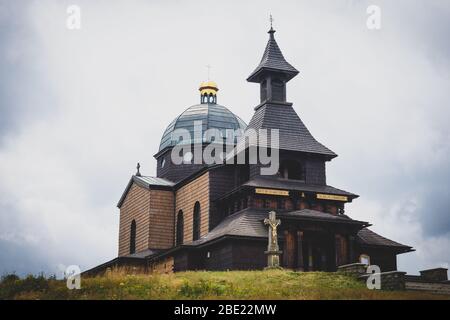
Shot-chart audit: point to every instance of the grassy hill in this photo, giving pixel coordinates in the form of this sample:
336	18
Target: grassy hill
273	284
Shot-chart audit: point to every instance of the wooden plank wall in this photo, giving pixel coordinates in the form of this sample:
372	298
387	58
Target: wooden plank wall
186	196
136	206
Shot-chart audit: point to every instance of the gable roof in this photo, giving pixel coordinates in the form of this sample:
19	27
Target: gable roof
147	182
273	60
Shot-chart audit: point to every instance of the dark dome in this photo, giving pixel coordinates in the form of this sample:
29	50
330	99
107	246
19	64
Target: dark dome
212	116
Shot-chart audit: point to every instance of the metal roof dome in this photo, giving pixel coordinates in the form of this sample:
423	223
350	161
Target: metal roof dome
212	116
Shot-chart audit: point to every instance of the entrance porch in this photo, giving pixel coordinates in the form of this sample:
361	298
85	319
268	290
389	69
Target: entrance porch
317	247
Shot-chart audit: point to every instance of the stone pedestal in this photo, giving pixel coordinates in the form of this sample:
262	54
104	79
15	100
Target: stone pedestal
273	259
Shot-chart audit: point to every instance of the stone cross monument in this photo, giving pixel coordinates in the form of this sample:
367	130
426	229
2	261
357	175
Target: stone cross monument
273	251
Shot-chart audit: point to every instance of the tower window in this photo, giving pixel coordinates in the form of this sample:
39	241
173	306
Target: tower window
180	227
196	222
291	169
263	91
133	237
277	90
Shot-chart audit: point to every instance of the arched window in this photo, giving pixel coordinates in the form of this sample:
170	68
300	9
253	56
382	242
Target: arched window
180	227
291	169
196	222
133	237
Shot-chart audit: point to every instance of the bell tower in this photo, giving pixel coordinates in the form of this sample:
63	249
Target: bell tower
272	73
301	157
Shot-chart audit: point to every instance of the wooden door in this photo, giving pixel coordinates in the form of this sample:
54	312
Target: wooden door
289	249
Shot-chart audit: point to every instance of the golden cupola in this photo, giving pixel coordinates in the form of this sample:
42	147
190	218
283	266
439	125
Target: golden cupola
208	92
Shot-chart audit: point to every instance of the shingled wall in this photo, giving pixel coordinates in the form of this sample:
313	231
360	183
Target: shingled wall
136	206
186	196
154	215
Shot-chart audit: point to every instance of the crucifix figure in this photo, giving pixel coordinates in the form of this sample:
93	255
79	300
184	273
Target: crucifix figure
273	252
273	223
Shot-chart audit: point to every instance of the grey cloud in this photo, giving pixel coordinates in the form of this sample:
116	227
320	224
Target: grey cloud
23	259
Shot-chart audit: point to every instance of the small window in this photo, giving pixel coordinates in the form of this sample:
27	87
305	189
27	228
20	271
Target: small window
263	92
163	162
277	90
180	227
365	259
133	237
291	169
196	222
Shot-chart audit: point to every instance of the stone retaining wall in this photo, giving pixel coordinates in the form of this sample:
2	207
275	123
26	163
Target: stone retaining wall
431	280
432	287
353	269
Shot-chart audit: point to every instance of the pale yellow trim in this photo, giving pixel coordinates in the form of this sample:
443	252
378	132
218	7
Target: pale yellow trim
273	192
331	197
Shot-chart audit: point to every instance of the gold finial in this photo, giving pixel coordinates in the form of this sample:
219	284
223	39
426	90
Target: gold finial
208	92
208	87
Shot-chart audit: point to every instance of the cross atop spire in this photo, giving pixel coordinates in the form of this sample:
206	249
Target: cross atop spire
209	70
138	166
271	31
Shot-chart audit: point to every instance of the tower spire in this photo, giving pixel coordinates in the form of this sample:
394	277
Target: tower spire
273	72
271	31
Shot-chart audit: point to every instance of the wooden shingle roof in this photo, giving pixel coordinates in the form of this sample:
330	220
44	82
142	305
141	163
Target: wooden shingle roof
249	223
293	134
369	238
273	60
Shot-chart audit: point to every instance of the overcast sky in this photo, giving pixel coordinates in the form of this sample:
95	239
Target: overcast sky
79	108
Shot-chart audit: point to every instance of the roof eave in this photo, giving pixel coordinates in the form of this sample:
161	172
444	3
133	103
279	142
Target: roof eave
400	248
255	76
363	224
125	192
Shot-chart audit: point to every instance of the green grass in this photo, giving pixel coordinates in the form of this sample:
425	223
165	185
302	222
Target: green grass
273	284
